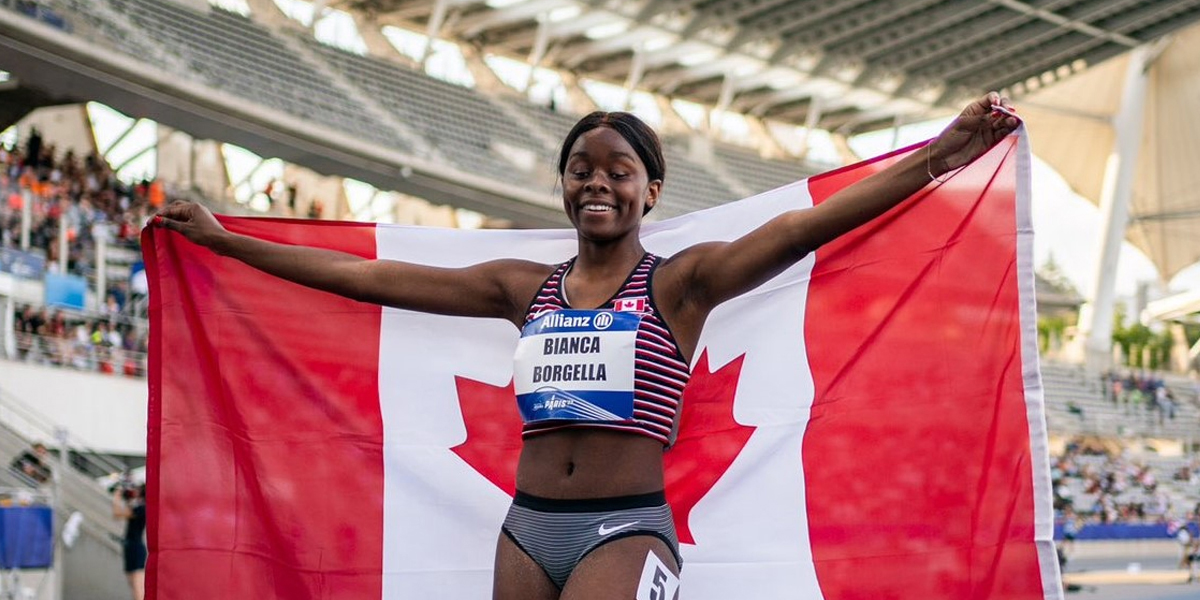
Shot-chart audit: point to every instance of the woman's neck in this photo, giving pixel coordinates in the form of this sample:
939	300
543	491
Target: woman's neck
602	261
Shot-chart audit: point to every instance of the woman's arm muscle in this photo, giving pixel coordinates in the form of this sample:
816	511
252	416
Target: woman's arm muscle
497	289
714	273
720	271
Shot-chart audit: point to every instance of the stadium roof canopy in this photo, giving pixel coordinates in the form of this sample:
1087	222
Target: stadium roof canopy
1071	126
841	65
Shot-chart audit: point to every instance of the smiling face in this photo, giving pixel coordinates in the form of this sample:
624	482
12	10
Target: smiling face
606	189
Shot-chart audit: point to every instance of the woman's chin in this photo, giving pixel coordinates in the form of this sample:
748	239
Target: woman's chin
598	234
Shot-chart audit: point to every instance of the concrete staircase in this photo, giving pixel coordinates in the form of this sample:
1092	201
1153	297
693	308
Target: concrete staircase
92	566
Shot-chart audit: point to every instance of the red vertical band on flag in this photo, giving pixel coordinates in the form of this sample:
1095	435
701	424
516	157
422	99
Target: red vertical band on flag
928	491
264	481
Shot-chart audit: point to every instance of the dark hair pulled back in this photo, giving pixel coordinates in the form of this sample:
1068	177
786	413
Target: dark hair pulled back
640	136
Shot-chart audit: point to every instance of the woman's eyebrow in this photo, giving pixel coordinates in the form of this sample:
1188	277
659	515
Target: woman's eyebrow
614	153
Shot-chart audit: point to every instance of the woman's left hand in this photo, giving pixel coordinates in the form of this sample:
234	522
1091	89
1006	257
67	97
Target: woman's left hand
973	133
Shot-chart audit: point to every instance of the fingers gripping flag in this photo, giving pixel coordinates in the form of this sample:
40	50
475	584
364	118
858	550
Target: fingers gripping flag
868	424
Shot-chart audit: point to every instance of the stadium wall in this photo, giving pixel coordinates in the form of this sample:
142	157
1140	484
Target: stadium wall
106	413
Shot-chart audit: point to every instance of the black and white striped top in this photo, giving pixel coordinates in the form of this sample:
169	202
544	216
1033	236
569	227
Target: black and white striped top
660	371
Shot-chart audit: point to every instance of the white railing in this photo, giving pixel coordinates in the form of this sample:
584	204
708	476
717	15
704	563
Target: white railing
81	355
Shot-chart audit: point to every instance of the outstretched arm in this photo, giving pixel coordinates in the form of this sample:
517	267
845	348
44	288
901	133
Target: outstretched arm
716	272
491	289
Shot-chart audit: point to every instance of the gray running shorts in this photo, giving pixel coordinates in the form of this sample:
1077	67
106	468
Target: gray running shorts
558	534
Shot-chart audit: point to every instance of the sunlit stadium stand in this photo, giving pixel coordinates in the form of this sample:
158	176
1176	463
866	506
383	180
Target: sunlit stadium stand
1166	496
690	186
236	55
98	21
470	130
1077	404
553	123
461	123
756	173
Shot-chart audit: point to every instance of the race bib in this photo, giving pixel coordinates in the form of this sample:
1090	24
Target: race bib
576	365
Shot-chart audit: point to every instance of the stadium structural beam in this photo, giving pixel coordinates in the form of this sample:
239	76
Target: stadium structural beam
1061	21
120	138
811	121
475	24
728	85
318	13
436	18
635	75
101	293
1180	352
632	39
26	218
10	326
1096	316
541	42
378	44
656	7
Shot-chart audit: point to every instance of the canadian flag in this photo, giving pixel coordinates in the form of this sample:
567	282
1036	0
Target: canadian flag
637	305
868	424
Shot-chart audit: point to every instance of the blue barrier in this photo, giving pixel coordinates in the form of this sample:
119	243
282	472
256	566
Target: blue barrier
26	537
1118	531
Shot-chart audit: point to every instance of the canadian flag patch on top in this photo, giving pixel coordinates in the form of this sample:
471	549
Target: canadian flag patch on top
636	305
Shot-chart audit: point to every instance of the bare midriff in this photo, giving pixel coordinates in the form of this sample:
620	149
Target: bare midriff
572	464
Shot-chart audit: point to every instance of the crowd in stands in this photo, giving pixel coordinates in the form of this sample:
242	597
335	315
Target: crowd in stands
82	195
108	344
83	198
1140	394
1096	486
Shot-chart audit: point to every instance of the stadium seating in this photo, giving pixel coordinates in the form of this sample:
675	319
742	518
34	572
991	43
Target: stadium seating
235	55
1169	497
97	21
471	130
461	123
690	186
756	173
553	123
1076	403
38	11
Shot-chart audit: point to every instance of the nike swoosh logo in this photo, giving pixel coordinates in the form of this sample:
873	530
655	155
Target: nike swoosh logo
607	530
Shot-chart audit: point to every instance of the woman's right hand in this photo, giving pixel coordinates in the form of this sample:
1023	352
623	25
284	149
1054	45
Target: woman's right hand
194	221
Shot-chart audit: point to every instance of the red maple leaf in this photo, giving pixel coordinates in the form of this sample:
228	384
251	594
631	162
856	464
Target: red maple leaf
709	437
708	442
493	431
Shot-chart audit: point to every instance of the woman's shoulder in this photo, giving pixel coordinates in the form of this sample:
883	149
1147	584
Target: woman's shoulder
521	277
520	268
678	268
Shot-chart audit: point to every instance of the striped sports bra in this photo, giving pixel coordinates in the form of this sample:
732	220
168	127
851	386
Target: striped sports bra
660	371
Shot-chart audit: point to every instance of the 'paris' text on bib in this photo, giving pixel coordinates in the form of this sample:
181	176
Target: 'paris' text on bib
576	365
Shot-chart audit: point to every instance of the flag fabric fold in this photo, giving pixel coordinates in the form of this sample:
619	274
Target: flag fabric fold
868	424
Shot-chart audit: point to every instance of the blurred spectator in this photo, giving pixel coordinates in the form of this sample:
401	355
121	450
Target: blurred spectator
33	148
128	503
33	463
105	342
1186	532
1071	526
1108	488
83	200
1075	409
